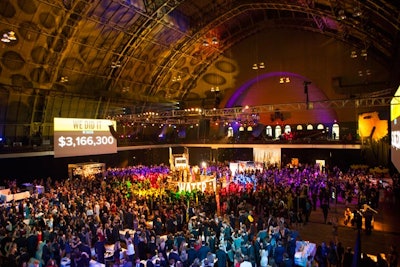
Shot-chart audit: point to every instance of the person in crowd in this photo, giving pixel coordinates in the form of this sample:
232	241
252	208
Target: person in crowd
149	261
321	257
335	229
393	256
221	256
348	257
138	263
203	251
325	209
130	249
340	254
244	262
264	253
348	216
117	253
100	250
174	254
381	262
332	255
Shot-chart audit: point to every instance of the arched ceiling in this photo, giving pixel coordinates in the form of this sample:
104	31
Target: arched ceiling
150	54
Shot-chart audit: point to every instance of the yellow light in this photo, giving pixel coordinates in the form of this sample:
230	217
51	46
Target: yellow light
11	36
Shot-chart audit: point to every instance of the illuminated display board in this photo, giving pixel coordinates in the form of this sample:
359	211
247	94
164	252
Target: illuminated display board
79	137
395	129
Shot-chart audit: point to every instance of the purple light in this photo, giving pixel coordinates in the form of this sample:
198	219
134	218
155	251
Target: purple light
236	95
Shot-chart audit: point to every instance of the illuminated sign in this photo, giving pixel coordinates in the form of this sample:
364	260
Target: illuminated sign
79	137
200	186
395	129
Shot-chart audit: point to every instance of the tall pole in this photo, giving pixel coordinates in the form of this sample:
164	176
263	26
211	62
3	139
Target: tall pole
306	83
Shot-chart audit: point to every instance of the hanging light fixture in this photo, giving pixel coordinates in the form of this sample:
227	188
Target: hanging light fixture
115	64
177	78
215	89
364	53
5	38
353	54
284	79
8	37
357	11
257	66
341	15
11	36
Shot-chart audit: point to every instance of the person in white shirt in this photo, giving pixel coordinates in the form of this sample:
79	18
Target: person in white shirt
245	262
97	209
130	249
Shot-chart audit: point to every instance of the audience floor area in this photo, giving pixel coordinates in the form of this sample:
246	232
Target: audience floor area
386	228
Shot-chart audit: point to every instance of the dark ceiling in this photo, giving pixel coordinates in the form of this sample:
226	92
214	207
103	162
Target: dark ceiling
151	54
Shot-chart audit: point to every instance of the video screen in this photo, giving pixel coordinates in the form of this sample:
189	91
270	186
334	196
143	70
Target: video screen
80	137
395	129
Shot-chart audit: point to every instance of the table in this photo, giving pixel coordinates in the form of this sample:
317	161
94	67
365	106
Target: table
303	250
15	197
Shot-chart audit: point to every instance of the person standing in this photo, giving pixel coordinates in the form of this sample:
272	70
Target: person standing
264	256
340	254
335	229
325	209
100	249
348	257
393	256
244	262
221	256
130	249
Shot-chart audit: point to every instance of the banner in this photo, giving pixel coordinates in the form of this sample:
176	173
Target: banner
209	184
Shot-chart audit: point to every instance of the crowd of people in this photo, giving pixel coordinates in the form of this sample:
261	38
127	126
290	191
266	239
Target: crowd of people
81	219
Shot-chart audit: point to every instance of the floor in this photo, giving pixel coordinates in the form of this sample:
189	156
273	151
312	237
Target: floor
386	230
